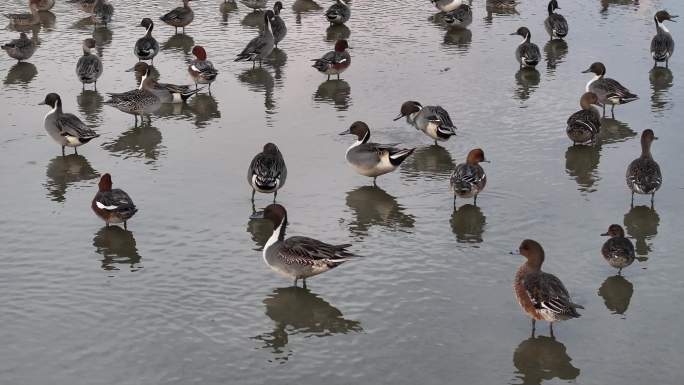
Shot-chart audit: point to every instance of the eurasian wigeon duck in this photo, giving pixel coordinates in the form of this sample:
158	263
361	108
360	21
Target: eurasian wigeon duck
609	91
112	205
541	295
202	70
584	125
555	24
89	67
64	128
662	44
267	171
261	46
527	54
298	257
147	47
643	174
618	251
434	121
469	178
21	48
334	62
179	17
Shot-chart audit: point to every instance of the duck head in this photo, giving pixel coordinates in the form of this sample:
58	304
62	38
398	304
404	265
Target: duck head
269	17
52	99
553	5
614	231
105	183
647	137
596	68
533	252
274	213
524	32
341	45
88	44
587	99
661	16
199	52
270	148
475	156
277	7
409	108
360	129
148	24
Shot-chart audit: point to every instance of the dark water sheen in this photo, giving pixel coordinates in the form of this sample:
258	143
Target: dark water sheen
183	296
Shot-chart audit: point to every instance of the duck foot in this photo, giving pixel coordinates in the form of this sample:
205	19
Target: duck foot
551	329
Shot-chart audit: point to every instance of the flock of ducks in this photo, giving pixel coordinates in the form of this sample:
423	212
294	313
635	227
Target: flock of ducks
541	295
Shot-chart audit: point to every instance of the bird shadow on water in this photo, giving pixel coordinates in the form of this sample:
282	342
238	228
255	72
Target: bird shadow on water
459	39
616	292
555	52
337	32
428	162
641	223
90	104
226	8
527	81
302	7
117	248
373	206
499	8
261	231
581	164
614	131
64	171
205	109
142	141
277	60
542	358
334	92
179	43
21	74
296	311
258	79
468	224
661	81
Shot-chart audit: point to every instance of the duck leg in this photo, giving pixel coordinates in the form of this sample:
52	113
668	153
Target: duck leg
63	151
304	283
75	151
551	329
652	199
631	205
275	194
375	178
533	326
475	200
604	110
125	226
295	282
253	192
328	77
612	111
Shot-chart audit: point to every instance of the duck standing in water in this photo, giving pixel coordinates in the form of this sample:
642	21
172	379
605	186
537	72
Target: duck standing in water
261	46
555	23
64	128
584	125
607	90
112	205
179	17
434	121
267	171
643	174
45	5
166	92
338	13
89	67
618	251
334	62
278	24
25	19
469	178
298	257
527	53
662	44
541	295
21	48
461	17
202	70
447	5
147	47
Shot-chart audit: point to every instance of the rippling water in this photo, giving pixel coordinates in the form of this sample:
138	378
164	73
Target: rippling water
183	295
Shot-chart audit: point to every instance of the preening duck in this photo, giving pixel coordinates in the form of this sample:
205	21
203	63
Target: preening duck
261	46
584	125
21	48
147	47
338	13
461	17
166	92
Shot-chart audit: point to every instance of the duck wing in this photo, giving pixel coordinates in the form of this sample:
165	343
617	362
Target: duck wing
309	251
548	292
71	125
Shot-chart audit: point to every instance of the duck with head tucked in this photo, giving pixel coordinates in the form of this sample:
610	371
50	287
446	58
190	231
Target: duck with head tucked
147	47
643	173
267	172
261	46
584	125
338	13
21	48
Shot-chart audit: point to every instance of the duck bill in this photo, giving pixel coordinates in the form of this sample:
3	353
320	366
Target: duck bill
586	71
673	17
513	34
257	215
130	69
604	234
515	252
41	103
345	132
398	117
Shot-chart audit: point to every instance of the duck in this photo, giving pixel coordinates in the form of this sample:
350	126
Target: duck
261	46
103	11
460	17
338	13
585	124
139	101
254	4
147	47
113	206
447	5
609	91
25	19
298	257
278	24
267	171
469	178
167	93
643	174
334	62
555	24
180	16
373	159
541	295
45	5
202	70
434	121
618	251
89	67
662	44
21	48
527	53
64	128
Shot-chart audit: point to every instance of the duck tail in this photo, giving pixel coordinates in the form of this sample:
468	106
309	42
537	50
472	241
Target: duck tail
398	157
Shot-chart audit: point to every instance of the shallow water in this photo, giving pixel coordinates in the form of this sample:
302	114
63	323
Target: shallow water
183	295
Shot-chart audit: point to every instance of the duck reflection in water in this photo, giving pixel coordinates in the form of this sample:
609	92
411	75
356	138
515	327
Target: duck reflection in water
260	80
226	8
614	131
459	38
468	224
661	81
335	92
117	247
205	108
298	311
260	230
21	74
277	61
616	292
304	6
180	43
555	52
429	162
142	141
254	19
581	163
63	171
337	32
499	8
373	206
527	80
542	358
641	223
103	37
90	104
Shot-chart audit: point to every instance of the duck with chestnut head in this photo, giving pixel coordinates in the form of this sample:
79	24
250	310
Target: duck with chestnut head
334	62
469	178
112	205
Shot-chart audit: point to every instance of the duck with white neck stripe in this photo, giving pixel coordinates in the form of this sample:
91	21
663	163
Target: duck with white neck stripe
527	53
147	47
662	44
607	90
66	129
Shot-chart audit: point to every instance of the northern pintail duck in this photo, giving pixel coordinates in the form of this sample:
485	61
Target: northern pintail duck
147	47
254	4
662	45
103	12
584	125
25	19
267	171
373	159
469	178
555	24
179	17
261	46
21	48
541	295
202	70
643	174
527	53
64	128
461	17
139	101
334	62
45	5
278	24
112	205
89	67
167	93
618	251
434	121
338	13
298	257
609	91
447	5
